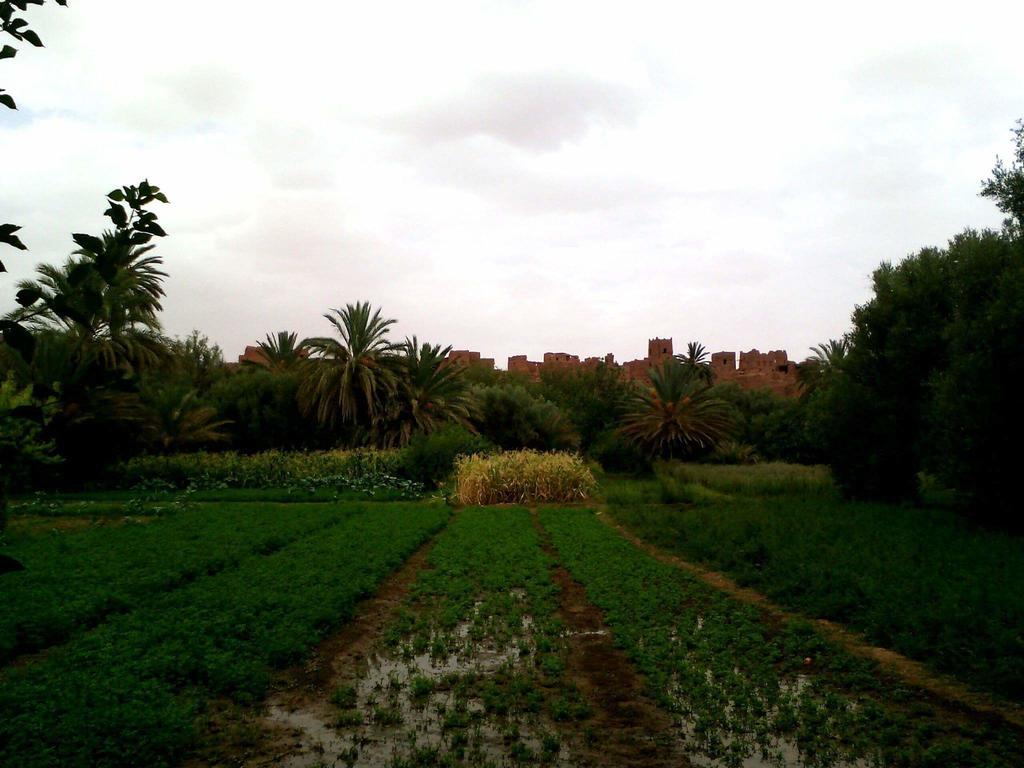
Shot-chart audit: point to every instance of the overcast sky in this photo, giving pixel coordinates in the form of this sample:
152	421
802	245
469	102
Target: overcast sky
515	177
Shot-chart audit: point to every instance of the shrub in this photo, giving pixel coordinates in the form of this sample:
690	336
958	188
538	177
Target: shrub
523	477
617	454
732	452
270	469
430	458
512	418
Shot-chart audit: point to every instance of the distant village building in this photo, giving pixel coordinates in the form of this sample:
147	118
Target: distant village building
756	370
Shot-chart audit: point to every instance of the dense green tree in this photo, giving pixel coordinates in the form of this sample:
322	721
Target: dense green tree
428	393
932	377
511	417
194	362
262	409
592	400
84	332
1006	186
348	380
676	415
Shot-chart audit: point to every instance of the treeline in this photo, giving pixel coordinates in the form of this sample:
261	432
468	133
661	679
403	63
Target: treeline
924	388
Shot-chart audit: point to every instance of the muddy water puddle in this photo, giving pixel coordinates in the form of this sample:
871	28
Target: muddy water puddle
472	704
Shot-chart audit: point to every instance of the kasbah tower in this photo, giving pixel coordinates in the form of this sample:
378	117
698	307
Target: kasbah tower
756	370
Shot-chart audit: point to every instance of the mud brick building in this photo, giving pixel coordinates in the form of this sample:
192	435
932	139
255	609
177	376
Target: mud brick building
756	370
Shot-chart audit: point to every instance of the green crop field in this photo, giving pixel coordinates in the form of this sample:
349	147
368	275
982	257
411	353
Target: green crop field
161	628
916	579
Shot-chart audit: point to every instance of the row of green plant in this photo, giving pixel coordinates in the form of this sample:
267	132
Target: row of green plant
130	691
73	581
523	477
741	685
919	580
270	469
489	581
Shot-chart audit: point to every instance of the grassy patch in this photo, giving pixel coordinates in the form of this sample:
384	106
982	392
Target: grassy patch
741	685
771	479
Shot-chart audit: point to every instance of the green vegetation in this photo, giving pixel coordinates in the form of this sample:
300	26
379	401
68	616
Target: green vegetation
756	480
473	667
742	684
128	691
677	415
523	477
73	581
918	580
270	469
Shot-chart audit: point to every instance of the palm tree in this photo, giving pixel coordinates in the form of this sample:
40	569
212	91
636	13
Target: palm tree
696	361
110	298
282	351
429	393
176	421
676	415
349	379
823	363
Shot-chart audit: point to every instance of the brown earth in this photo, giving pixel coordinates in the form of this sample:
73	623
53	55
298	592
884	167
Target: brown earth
633	730
943	690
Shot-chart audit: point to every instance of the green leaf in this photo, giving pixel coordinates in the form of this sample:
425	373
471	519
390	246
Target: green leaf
7	101
153	228
18	339
139	238
160	196
93	301
88	242
117	214
26	297
117	195
7	236
33	38
2	267
79	273
8	52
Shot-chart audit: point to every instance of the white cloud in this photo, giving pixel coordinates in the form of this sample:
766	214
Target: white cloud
516	177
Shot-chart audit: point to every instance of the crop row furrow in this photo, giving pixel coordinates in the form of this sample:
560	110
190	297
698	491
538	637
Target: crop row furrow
743	686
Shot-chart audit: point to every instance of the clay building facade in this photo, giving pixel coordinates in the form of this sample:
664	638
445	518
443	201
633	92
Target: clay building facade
756	370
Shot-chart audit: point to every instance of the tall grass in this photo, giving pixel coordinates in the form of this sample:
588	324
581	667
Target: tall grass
523	477
705	482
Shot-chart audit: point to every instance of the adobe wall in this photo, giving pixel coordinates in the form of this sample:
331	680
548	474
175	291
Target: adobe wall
755	370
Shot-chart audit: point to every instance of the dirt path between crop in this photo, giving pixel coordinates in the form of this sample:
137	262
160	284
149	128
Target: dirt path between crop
635	731
247	738
944	689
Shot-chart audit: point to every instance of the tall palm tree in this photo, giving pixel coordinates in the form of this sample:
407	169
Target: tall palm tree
675	416
111	296
428	394
824	362
349	379
696	360
283	351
